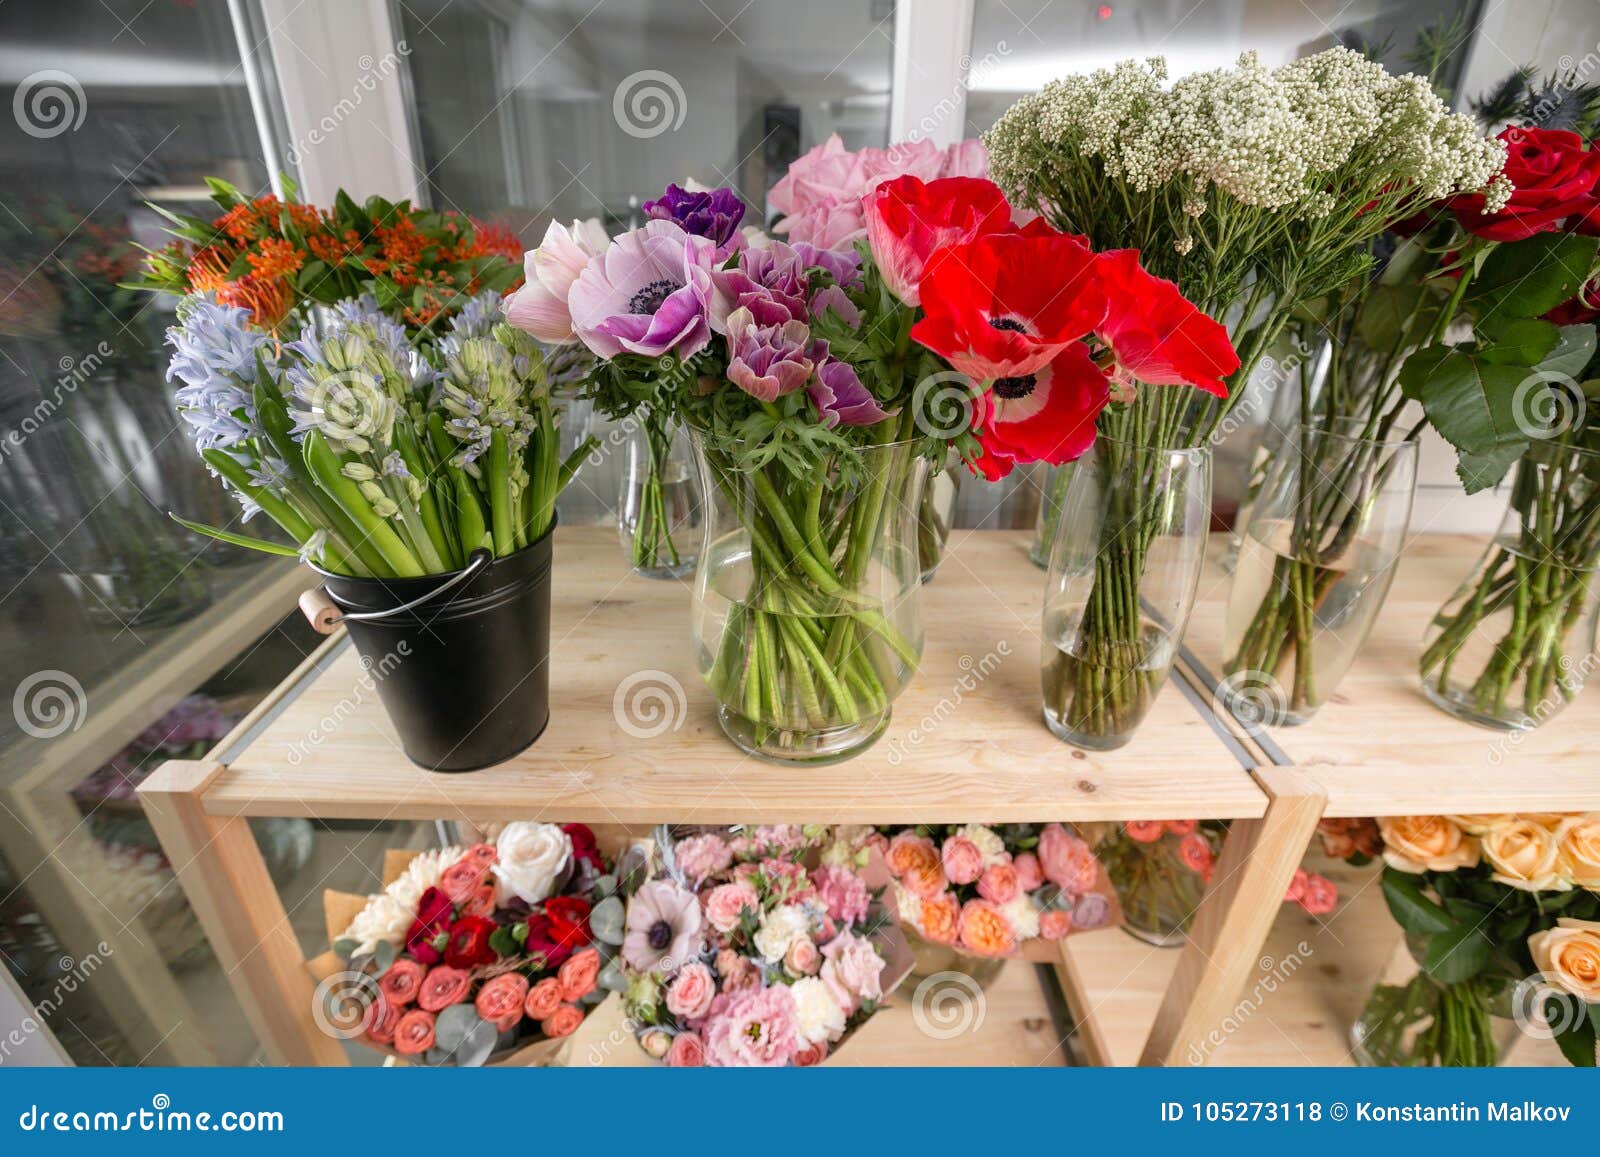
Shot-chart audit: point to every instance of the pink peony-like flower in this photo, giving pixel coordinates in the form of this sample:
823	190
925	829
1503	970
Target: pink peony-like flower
462	879
1054	925
1144	831
725	903
1067	861
687	1051
985	931
916	863
1321	895
802	959
853	970
540	306
737	972
402	982
442	987
1030	874
414	1033
962	861
381	1019
690	994
940	918
703	856
662	928
752	1029
503	998
649	294
965	159
998	884
1195	853
769	361
843	893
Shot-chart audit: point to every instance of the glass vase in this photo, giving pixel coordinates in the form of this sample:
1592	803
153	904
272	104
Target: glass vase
1051	496
660	511
1516	642
808	598
1318	558
1159	893
935	963
1421	1021
1124	568
936	514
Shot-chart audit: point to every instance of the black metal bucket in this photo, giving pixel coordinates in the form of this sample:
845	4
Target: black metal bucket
461	660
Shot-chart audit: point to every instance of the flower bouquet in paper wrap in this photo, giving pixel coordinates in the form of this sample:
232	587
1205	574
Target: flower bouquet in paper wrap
743	950
485	954
1502	916
968	893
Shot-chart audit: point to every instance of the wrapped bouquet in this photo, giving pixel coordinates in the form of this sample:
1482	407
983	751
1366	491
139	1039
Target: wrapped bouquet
471	955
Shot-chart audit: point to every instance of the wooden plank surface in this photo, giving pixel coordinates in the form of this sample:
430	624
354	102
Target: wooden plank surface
966	733
1379	747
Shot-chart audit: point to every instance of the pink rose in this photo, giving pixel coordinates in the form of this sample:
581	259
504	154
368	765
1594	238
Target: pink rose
1029	874
843	893
998	884
687	1051
1321	895
966	159
725	903
1145	831
963	862
737	972
690	994
802	959
702	857
752	1029
812	1054
852	970
1195	853
1182	827
1054	925
1067	861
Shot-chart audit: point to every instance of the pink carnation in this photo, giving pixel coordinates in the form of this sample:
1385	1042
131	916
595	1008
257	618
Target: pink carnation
843	893
702	857
852	970
753	1028
963	862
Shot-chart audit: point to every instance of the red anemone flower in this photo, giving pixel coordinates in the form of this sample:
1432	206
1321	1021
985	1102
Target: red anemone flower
1045	416
907	221
1158	335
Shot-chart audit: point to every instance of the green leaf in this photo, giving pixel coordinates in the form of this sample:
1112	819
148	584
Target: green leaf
1517	341
383	958
1457	955
504	943
1578	1043
223	192
1530	278
243	540
1386	310
1572	353
1465	910
1413	911
1472	402
1484	471
345	948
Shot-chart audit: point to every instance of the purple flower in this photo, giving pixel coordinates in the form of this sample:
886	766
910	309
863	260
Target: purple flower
1091	911
712	213
769	361
662	928
845	265
840	397
773	282
649	293
837	300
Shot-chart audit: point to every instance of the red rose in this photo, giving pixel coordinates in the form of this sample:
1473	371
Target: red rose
469	942
1046	416
542	945
433	918
1158	335
1006	305
569	920
908	220
1554	174
1579	310
584	846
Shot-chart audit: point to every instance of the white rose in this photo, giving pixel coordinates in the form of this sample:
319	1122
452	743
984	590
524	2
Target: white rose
987	840
907	905
532	858
818	1016
1024	917
780	928
384	919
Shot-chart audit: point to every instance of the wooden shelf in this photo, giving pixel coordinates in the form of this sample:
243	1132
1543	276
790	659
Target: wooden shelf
966	738
1379	747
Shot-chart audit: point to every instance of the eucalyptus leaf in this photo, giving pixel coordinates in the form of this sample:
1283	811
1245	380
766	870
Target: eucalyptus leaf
464	1036
613	978
383	957
606	920
345	948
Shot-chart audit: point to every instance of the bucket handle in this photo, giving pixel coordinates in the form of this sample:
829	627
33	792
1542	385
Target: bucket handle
324	616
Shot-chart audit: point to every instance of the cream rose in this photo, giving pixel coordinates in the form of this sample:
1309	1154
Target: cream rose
1023	915
987	840
1569	957
1579	839
818	1016
1524	854
780	928
1426	844
1478	825
533	857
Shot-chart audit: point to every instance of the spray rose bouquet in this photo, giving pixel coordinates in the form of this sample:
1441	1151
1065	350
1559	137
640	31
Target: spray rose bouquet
739	954
471	953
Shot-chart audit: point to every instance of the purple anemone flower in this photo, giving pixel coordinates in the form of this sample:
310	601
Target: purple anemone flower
649	293
840	397
844	265
769	361
770	282
710	213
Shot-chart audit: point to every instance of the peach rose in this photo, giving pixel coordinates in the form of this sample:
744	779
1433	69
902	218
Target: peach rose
1068	861
998	884
579	975
464	877
381	1020
1145	831
811	1055
939	918
961	859
1477	825
414	1033
915	861
1181	827
1579	837
691	992
1426	844
985	931
687	1051
1524	855
1569	957
726	903
502	998
442	987
803	958
1029	874
543	999
402	982
1054	924
481	902
564	1021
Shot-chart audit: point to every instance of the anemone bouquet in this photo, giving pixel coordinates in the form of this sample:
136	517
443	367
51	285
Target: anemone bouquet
817	384
377	459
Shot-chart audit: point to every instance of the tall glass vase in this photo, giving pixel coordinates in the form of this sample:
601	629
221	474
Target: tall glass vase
808	598
1124	568
660	511
1516	642
1158	891
1412	1019
1318	558
936	514
1051	495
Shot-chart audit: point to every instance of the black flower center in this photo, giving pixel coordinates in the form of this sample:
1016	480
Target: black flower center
1013	388
649	299
660	935
1008	323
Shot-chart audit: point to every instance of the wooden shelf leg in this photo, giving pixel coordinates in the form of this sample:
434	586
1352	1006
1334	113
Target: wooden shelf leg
220	867
1258	861
1096	1049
